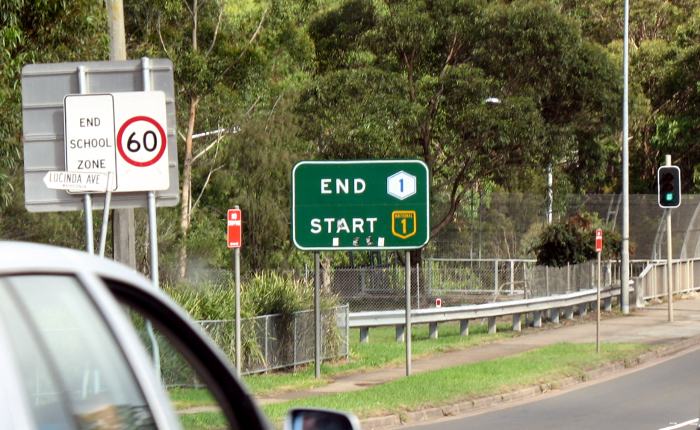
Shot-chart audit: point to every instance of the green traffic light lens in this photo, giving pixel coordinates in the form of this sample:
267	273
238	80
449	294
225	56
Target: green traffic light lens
669	197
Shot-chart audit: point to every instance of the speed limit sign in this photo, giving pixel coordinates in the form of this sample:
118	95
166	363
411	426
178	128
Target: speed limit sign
141	141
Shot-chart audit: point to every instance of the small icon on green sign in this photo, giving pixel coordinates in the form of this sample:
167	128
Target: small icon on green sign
403	224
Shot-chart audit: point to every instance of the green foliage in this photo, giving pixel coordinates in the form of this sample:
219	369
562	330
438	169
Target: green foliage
426	69
377	79
38	32
573	241
263	294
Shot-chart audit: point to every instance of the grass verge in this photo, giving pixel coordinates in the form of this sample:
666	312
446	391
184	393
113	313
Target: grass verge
381	351
458	383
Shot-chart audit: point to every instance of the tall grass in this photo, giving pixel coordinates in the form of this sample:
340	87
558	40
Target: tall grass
264	294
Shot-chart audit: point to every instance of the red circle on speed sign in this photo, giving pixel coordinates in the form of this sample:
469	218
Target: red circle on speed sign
140	141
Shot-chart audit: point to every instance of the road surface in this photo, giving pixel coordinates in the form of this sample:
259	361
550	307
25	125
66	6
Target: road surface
663	396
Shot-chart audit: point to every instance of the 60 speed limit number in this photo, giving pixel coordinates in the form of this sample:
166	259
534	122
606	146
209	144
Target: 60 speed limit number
141	141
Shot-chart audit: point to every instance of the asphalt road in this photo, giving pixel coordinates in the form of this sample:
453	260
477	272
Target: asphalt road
663	396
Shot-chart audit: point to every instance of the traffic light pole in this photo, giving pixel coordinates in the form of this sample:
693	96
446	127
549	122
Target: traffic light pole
669	256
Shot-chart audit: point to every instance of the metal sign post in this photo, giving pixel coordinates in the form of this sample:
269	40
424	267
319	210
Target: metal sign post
408	313
237	280
152	222
317	314
234	234
599	251
87	198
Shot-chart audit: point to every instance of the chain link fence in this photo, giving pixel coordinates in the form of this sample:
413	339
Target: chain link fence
455	281
461	281
268	342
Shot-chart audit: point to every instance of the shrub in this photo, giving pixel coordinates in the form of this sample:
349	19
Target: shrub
572	241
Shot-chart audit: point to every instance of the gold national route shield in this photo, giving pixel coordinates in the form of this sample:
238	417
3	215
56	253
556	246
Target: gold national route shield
403	224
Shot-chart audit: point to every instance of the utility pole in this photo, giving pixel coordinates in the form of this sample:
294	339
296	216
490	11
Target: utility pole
550	193
625	253
123	224
669	256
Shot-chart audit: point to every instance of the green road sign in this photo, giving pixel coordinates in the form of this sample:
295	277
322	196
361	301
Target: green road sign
360	205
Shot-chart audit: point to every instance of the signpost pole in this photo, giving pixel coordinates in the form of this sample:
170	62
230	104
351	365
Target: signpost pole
152	228
597	312
669	256
237	276
105	219
152	220
317	313
87	198
408	313
599	251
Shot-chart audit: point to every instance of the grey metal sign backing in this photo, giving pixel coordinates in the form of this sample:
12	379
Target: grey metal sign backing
43	88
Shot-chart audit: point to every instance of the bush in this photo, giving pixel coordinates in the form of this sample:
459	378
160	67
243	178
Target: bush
573	241
264	294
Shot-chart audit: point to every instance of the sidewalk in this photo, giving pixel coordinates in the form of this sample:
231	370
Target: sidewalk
648	325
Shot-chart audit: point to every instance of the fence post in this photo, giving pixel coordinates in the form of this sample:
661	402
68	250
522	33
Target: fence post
418	286
429	277
512	277
347	330
294	347
495	277
267	329
692	273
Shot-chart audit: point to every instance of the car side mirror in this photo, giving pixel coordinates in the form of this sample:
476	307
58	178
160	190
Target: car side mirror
320	419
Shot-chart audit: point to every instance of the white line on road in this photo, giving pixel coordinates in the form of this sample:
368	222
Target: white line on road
681	425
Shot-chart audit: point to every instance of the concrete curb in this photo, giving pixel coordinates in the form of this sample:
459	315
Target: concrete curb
468	406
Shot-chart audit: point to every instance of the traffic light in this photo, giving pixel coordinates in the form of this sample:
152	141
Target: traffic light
669	182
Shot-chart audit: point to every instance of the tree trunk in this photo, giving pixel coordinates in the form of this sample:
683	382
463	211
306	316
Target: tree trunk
186	194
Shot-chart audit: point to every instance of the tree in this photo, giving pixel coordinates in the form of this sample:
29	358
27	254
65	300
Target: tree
572	241
410	79
39	32
234	67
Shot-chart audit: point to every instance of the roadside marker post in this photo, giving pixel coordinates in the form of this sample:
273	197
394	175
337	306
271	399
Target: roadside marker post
599	251
234	240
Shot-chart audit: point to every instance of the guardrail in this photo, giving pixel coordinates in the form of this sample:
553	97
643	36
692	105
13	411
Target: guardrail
651	282
554	306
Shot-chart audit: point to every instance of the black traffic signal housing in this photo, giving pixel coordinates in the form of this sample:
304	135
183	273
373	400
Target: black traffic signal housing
669	182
